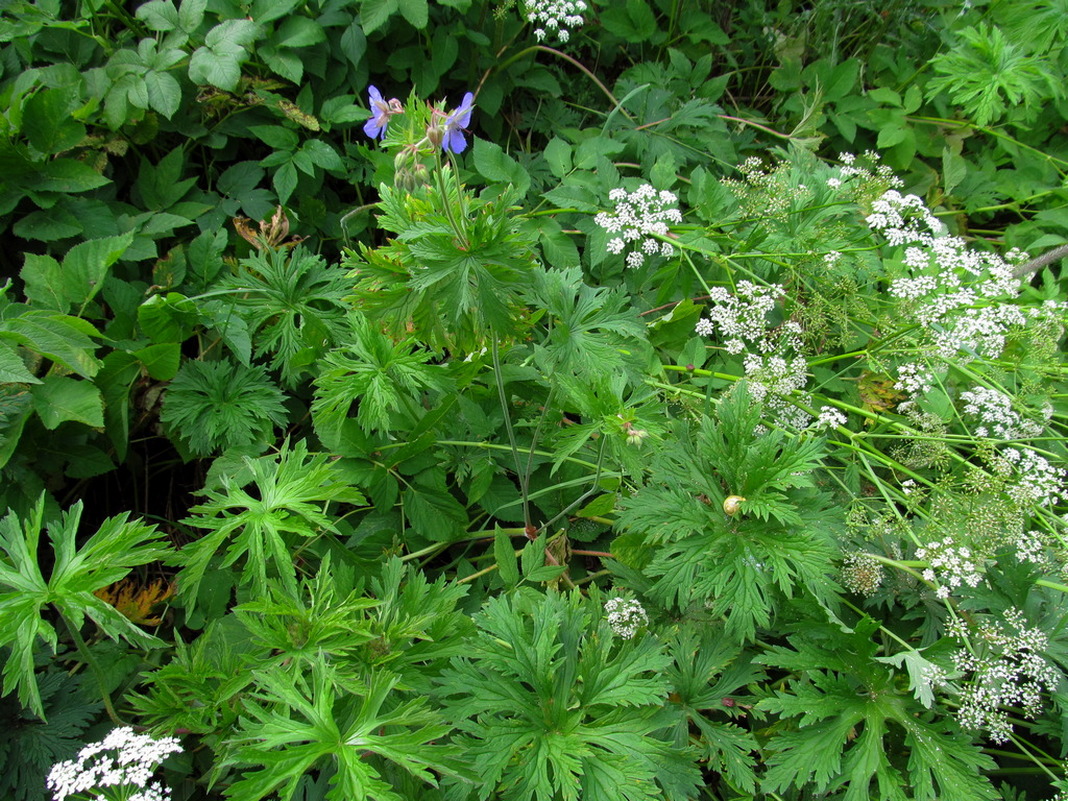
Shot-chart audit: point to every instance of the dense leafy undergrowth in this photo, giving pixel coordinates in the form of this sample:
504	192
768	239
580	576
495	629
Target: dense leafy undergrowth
542	400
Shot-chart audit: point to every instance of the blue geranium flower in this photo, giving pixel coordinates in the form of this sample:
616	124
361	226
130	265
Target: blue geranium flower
456	121
381	111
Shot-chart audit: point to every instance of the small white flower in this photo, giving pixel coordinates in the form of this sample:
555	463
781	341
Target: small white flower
558	16
641	217
135	759
625	616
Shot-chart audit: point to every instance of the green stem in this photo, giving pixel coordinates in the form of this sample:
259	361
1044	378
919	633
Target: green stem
578	64
94	666
520	474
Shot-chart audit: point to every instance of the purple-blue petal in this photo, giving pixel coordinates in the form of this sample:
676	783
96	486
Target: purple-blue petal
373	127
462	115
453	141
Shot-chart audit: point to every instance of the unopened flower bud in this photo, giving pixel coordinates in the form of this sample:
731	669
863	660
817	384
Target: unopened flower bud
434	133
404	180
732	504
421	175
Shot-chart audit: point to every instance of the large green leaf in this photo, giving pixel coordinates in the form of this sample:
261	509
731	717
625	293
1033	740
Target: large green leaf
76	573
58	399
47	121
63	339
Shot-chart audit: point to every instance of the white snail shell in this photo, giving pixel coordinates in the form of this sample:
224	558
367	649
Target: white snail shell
732	504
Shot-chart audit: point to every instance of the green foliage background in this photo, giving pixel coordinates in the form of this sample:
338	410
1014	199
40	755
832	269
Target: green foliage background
393	425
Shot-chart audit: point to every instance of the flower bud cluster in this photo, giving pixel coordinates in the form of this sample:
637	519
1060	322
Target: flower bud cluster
626	617
1007	670
861	573
641	215
554	17
123	760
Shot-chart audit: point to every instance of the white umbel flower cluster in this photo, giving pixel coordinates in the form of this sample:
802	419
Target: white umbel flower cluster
625	616
554	17
962	297
996	416
1007	670
640	217
951	566
119	766
772	363
915	380
1037	480
742	318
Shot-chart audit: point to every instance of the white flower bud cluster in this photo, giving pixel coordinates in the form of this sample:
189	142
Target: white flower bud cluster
861	573
641	213
995	413
1037	480
554	17
1007	670
950	566
123	760
625	616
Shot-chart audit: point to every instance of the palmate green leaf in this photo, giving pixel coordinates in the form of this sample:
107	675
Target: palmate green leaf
590	327
553	706
107	556
743	566
708	668
202	686
988	75
843	710
295	724
293	303
292	491
218	405
386	377
299	629
449	292
758	467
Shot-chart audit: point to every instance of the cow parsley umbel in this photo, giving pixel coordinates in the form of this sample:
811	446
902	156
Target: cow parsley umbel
625	616
118	767
640	217
1006	668
554	17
